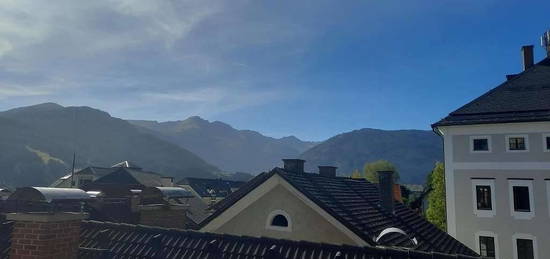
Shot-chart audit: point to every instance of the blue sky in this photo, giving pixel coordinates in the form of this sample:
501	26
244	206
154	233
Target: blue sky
311	69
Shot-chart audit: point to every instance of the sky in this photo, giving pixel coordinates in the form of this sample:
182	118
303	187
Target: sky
310	68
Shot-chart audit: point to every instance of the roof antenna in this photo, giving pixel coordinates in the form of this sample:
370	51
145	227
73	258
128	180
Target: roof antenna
74	146
72	170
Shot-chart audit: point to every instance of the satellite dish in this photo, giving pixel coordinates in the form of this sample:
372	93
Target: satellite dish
395	230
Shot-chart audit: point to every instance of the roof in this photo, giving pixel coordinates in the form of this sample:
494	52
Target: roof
354	202
136	241
127	175
48	194
523	98
207	187
127	164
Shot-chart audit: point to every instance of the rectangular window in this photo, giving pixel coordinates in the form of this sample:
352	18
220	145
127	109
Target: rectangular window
483	195
516	143
487	246
525	249
481	144
521	198
547	142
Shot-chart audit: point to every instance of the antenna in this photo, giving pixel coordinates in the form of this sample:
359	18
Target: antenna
545	42
74	146
72	170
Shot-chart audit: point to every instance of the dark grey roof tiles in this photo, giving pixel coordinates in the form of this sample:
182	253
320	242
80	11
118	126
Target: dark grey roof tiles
524	98
354	202
131	241
218	187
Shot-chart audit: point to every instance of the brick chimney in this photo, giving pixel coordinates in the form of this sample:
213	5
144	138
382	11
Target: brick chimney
527	57
386	188
327	171
45	235
294	165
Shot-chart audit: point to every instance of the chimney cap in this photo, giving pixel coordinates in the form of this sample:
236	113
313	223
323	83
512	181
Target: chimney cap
294	165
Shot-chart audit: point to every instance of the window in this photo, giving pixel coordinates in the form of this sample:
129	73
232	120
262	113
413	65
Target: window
517	143
522	203
483	195
525	246
525	249
546	142
487	246
521	198
279	220
480	144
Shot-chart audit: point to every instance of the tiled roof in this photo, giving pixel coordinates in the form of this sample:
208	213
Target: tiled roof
220	187
131	241
354	202
523	98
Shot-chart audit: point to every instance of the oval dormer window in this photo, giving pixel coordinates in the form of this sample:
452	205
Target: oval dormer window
279	220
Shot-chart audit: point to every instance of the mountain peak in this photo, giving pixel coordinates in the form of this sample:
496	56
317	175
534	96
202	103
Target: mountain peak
49	106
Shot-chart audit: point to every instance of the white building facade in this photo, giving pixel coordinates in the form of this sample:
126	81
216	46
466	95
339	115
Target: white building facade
497	167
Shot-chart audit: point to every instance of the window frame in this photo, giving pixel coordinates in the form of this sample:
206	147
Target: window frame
484	233
488	138
517	236
481	212
521	214
545	148
272	215
507	143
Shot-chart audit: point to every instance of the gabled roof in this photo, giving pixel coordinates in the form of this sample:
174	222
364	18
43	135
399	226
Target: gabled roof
354	203
207	187
523	98
131	241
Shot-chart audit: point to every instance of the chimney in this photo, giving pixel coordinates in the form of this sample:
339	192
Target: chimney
527	56
294	165
327	171
385	185
45	235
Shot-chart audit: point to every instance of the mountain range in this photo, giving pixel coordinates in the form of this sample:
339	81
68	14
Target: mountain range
37	145
225	147
413	152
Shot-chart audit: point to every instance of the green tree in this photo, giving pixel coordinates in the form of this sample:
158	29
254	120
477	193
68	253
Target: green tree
356	174
436	199
370	170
